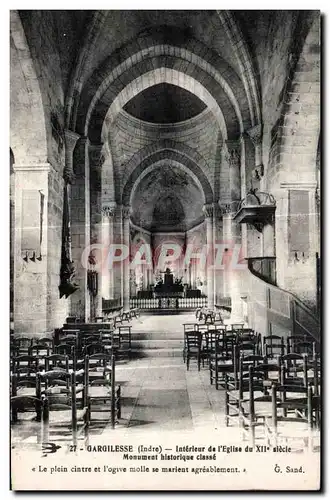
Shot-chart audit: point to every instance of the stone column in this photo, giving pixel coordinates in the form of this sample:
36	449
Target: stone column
96	159
80	227
233	157
208	212
233	230
108	212
226	236
71	139
235	274
67	271
126	212
217	276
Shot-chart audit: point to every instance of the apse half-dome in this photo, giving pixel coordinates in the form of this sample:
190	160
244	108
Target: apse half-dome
168	213
164	103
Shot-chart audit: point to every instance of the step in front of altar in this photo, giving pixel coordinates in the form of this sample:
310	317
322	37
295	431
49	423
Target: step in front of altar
172	352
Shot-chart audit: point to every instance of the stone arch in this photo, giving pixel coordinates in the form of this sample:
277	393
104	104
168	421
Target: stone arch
178	152
143	54
194	79
172	76
243	56
27	111
77	75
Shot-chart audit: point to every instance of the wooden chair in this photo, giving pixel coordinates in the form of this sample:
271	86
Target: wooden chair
193	342
40	350
26	365
236	383
102	391
227	342
23	344
72	339
61	415
118	320
110	340
291	341
14	351
57	362
291	405
273	346
94	348
222	361
64	349
255	409
187	327
46	341
307	347
294	369
208	344
247	349
248	336
125	339
24	386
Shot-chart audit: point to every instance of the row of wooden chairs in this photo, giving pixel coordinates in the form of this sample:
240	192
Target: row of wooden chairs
58	387
227	350
113	318
203	346
199	344
55	406
278	366
121	338
269	395
65	340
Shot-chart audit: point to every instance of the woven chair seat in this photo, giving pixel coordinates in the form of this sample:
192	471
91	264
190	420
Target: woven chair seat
59	417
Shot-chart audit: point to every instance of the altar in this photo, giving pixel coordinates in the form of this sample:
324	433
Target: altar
168	292
168	287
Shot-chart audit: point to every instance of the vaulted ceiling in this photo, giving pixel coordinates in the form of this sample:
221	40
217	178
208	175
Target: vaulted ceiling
164	103
156	86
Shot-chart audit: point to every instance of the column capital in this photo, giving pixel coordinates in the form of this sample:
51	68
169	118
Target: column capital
255	134
108	210
225	208
71	139
96	160
96	155
208	210
229	208
126	211
233	152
